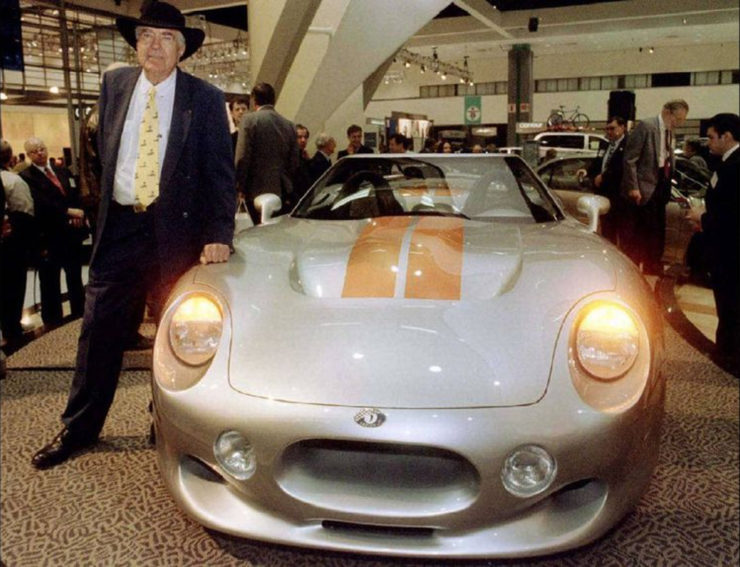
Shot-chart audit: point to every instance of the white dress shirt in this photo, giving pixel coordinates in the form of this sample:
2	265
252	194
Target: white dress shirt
123	182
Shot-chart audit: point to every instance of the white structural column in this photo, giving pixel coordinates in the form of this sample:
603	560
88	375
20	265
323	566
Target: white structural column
347	42
276	31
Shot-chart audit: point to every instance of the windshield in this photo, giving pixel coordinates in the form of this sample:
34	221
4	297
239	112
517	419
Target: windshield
476	187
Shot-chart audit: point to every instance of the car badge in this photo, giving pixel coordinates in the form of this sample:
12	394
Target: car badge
370	417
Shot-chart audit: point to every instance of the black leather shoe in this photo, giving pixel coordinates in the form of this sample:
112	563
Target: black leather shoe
61	448
139	342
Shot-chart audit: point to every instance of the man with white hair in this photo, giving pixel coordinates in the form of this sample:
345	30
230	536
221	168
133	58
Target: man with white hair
321	160
167	201
61	224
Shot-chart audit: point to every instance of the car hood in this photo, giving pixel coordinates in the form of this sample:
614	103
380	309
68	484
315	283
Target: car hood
412	312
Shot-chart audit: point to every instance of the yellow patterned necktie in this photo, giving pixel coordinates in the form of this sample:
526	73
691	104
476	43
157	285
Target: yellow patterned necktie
146	175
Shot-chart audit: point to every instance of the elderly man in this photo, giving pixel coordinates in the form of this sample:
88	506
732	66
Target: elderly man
61	224
167	201
321	160
646	185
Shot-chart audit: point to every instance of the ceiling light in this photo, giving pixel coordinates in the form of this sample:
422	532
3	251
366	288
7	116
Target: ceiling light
3	96
443	77
54	90
651	50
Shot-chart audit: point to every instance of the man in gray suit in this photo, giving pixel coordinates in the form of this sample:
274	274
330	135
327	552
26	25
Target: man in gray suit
266	151
646	185
147	239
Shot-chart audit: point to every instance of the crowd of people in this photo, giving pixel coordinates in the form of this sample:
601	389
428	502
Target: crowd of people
169	169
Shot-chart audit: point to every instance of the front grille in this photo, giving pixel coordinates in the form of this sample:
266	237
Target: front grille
378	479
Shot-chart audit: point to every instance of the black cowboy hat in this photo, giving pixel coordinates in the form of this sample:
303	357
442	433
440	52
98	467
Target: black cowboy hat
162	15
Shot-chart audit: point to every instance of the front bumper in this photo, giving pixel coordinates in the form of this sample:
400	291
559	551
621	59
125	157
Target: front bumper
426	483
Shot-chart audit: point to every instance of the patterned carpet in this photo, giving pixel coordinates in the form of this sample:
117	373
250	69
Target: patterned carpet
109	506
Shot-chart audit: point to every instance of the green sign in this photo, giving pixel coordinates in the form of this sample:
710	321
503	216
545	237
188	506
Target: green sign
473	110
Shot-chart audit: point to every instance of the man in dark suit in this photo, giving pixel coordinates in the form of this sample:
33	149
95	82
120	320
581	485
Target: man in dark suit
148	233
354	145
720	222
266	151
60	220
302	180
646	185
237	109
321	160
606	174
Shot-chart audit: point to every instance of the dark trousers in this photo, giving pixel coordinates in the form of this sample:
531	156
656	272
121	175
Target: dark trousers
121	273
65	255
726	288
14	267
642	234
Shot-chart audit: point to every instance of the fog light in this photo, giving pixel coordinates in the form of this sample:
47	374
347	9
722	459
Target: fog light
235	455
528	470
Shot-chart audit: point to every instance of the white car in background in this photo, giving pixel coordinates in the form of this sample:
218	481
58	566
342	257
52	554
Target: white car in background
571	143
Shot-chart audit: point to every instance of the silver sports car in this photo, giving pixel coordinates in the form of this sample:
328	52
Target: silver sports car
427	358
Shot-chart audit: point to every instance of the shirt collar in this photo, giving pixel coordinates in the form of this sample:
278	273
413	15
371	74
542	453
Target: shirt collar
729	152
162	87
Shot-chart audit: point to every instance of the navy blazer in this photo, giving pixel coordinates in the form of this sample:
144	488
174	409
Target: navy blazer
197	195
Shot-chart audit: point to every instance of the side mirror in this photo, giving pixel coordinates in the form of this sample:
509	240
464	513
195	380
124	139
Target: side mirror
593	206
267	205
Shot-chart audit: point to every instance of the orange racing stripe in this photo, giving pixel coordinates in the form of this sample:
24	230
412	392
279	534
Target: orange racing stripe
373	263
435	259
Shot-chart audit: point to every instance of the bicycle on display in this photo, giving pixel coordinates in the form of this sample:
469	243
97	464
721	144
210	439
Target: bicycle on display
576	119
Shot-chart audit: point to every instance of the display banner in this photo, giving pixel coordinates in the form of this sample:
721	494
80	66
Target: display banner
473	109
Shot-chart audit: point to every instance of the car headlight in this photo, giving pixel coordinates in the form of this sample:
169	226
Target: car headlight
609	355
607	341
528	471
235	454
195	329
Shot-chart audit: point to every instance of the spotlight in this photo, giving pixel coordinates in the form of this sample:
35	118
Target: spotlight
651	50
407	64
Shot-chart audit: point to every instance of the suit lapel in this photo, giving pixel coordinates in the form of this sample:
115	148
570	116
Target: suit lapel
182	114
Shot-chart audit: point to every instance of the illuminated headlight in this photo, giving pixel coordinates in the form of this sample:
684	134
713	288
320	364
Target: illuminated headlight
195	329
528	470
235	455
607	341
609	356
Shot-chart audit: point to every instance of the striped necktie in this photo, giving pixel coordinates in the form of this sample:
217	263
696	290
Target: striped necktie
146	174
